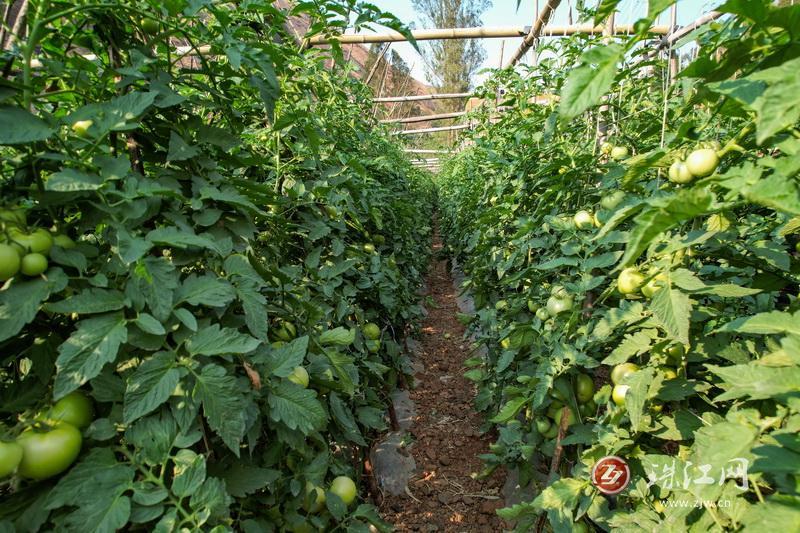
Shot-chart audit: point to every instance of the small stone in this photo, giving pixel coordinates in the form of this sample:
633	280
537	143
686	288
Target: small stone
444	460
468	501
444	497
433	527
490	506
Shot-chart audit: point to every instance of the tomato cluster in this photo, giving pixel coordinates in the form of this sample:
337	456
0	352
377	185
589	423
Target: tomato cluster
25	249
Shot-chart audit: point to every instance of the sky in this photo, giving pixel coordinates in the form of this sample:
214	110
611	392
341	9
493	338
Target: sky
504	13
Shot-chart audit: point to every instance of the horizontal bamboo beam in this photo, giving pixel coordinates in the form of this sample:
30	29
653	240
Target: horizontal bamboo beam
422	151
685	30
432	130
421	97
424	118
474	33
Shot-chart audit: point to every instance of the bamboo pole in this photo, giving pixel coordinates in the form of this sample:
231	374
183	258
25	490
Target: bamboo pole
474	33
377	62
432	130
421	97
424	118
535	31
424	151
602	125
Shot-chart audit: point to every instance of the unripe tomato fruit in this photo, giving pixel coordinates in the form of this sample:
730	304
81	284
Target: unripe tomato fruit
581	527
9	262
40	241
369	248
542	313
618	394
571	419
13	215
606	148
668	372
584	388
610	201
46	454
676	353
679	173
618	153
588	409
315	498
702	162
10	457
373	346
654	285
543	425
149	26
63	241
621	371
556	306
371	331
499	305
629	281
81	128
33	264
583	220
332	211
344	488
299	376
75	409
532	306
286	332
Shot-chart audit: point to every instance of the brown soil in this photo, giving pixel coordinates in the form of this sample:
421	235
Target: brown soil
444	496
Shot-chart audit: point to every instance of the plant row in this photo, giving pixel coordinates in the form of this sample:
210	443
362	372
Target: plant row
209	262
636	285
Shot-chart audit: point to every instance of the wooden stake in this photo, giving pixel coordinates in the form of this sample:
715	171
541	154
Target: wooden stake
432	130
421	97
534	32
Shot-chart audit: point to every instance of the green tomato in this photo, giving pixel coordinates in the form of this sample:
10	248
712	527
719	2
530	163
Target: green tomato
551	433
611	201
606	148
332	211
74	409
33	264
373	346
668	372
543	425
371	331
40	241
344	488
46	454
679	173
630	280
379	239
369	248
583	220
9	262
618	153
10	457
63	241
286	331
584	388
556	306
542	313
702	162
13	215
500	305
618	394
315	498
676	352
621	371
81	128
533	306
654	285
588	409
797	247
299	376
149	26
580	527
571	419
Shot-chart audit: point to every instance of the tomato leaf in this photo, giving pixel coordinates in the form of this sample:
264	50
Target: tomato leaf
150	385
296	407
83	355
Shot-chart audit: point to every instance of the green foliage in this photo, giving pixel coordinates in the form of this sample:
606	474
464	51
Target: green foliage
715	336
220	205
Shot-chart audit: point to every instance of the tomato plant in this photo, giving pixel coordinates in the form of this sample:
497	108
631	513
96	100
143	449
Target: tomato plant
206	195
685	299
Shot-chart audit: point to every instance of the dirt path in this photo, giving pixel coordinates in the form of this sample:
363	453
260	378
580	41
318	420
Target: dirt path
445	433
